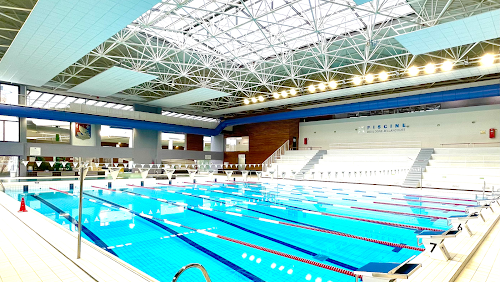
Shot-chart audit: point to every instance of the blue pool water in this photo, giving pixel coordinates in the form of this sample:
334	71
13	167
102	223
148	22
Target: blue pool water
161	249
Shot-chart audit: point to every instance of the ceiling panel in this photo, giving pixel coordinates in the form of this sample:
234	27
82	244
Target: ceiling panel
57	33
189	97
111	81
473	29
437	77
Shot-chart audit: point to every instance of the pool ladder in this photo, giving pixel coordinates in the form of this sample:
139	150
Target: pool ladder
191	265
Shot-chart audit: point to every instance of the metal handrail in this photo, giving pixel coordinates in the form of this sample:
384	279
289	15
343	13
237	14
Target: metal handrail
472	144
191	265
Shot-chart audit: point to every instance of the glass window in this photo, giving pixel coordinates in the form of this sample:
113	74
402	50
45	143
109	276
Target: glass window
237	144
47	131
172	141
9	128
115	137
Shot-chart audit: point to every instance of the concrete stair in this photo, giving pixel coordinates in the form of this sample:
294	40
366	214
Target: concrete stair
310	165
421	161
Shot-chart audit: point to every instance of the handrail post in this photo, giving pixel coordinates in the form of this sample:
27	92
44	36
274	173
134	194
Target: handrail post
191	265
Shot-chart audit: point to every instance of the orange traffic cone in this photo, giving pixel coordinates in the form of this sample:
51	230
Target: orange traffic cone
23	206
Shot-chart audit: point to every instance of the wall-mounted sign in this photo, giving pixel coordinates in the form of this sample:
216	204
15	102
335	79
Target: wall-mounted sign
383	128
208	157
83	131
35	151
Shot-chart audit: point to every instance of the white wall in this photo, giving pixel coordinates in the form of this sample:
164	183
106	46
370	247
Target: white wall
431	128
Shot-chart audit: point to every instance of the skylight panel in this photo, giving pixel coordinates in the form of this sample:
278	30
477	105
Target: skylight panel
32	96
128	108
109	105
100	104
117	107
90	102
79	101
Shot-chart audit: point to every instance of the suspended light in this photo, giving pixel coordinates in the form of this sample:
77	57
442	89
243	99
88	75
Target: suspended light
311	88
383	76
322	86
246	101
413	71
356	80
254	100
430	68
284	94
332	84
293	92
369	78
487	60
276	95
447	66
261	98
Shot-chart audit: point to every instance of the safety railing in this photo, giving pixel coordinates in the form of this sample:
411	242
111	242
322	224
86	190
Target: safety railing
310	148
191	265
374	145
472	145
272	158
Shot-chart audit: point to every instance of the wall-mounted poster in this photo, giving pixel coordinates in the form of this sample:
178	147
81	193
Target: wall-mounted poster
82	131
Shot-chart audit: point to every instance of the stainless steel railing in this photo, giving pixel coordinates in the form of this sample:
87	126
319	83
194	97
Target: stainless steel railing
191	265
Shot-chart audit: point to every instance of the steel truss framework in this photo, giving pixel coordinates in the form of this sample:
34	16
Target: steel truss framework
255	47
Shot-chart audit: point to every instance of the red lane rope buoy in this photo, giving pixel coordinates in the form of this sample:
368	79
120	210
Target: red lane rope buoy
417	207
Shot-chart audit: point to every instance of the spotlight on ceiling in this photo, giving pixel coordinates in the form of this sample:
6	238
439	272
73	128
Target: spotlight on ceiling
413	71
246	101
447	66
254	100
332	84
261	98
430	68
311	88
322	86
383	76
284	94
356	80
487	60
276	95
369	78
293	92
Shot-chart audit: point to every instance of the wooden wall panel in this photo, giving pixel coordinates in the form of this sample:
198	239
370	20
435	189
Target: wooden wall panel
194	142
264	137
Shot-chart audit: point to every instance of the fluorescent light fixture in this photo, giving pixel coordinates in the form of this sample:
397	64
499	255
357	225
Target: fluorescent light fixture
487	60
430	68
413	71
447	66
383	76
356	80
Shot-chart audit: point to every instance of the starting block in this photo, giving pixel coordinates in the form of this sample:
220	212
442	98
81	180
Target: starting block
459	222
434	242
476	210
387	272
487	201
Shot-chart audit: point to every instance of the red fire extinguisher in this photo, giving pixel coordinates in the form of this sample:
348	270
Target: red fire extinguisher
492	133
305	141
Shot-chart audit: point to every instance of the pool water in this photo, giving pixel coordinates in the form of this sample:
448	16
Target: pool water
314	224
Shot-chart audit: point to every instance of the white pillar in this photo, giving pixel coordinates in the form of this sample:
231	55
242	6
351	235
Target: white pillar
170	144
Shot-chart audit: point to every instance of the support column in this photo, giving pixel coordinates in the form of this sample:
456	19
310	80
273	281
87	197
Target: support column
23	125
217	143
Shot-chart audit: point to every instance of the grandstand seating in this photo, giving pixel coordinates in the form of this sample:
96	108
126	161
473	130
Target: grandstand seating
464	168
292	162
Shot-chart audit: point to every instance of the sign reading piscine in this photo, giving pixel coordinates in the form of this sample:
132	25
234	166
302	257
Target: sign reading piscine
383	128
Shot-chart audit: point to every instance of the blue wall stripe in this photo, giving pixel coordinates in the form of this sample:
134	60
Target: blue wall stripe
438	97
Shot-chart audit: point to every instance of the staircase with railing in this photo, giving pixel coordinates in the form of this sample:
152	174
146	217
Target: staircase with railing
276	155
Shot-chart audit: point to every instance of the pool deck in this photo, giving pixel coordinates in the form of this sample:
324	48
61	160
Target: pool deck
33	248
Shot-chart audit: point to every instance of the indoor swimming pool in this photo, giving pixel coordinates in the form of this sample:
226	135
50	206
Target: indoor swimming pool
249	231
